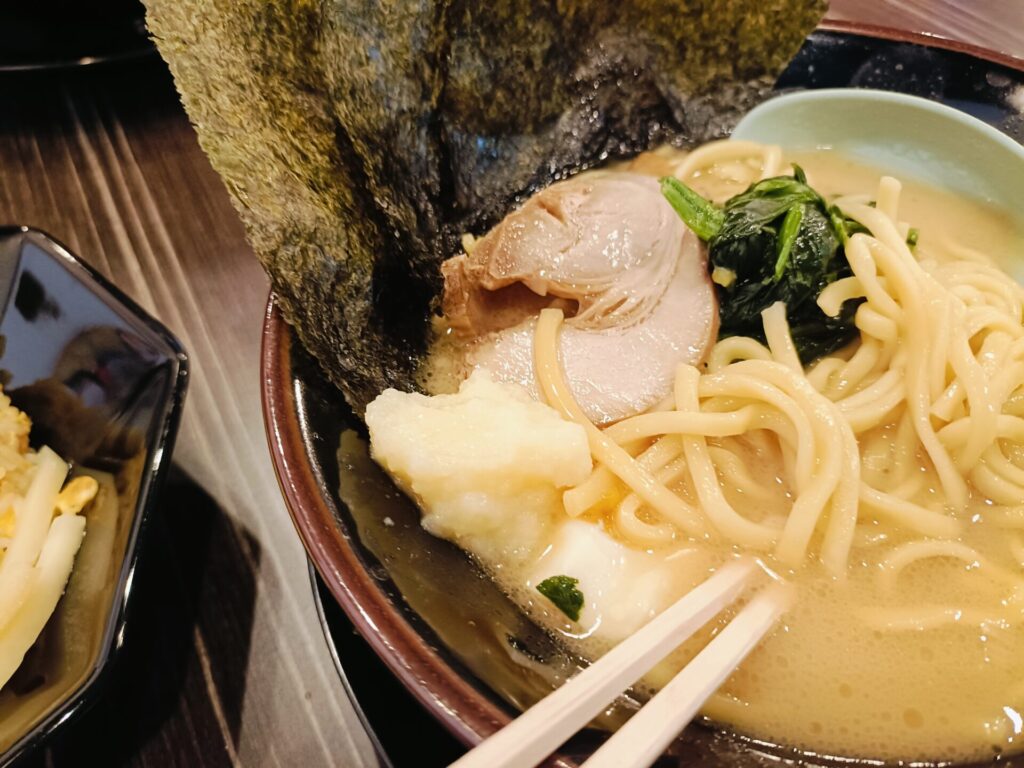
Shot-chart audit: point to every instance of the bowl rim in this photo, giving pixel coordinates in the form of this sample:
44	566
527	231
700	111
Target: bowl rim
866	96
459	707
926	39
153	473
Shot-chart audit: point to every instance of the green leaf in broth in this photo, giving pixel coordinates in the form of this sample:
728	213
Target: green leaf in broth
562	591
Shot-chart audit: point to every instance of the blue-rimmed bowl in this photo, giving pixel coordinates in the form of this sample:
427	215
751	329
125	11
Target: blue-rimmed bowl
909	136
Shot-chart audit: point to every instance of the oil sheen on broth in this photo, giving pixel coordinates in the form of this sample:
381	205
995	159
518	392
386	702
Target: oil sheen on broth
828	681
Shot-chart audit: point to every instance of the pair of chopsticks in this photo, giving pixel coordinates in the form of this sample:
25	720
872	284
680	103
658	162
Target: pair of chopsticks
536	733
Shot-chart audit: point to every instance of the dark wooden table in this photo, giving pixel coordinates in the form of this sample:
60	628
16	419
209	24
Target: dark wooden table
225	663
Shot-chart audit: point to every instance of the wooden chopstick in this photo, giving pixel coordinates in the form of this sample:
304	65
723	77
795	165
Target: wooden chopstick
537	732
645	736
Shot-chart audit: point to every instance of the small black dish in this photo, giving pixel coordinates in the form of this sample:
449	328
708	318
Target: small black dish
104	384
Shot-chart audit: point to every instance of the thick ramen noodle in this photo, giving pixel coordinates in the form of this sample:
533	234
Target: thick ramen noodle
884	480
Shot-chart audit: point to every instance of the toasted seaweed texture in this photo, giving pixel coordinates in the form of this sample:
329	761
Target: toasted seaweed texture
360	138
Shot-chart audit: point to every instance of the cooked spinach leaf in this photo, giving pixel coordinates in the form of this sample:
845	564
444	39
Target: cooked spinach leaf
787	237
845	227
702	216
778	241
561	590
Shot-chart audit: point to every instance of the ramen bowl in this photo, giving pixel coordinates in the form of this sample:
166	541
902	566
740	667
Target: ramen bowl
104	384
455	641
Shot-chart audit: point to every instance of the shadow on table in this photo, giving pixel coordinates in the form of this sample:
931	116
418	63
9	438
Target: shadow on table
189	631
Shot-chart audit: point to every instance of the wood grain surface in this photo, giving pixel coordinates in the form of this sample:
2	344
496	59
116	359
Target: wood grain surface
224	663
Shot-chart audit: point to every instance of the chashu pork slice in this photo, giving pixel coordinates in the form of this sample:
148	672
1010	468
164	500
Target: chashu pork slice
633	280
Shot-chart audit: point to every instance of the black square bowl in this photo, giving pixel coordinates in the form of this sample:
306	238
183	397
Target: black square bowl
104	384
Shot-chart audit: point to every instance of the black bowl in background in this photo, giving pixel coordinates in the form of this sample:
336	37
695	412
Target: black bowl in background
104	384
54	34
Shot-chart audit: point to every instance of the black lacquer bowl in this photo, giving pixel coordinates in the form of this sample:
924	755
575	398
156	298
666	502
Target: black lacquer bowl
438	625
57	34
104	384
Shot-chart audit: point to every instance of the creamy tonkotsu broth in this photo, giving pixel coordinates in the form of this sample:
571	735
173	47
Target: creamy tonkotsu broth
905	461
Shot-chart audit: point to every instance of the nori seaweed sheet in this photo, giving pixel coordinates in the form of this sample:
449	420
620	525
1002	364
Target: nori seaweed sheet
360	139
